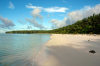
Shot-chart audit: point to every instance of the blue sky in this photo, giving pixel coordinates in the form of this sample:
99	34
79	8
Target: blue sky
44	14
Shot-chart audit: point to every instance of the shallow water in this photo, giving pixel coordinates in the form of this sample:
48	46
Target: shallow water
20	49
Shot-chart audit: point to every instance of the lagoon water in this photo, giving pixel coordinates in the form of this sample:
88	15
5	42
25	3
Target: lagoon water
20	49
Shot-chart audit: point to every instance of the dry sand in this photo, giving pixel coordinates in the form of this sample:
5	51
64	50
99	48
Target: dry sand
71	40
70	50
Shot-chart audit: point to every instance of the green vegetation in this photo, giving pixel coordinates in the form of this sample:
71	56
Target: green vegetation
90	25
29	31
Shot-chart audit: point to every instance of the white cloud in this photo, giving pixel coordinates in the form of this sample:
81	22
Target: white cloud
72	16
6	23
36	13
35	23
56	9
50	9
77	15
83	13
59	23
33	7
11	5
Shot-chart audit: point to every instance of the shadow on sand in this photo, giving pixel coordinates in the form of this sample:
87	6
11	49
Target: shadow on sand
67	56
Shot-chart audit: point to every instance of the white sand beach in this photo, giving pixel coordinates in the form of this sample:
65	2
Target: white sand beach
70	50
72	40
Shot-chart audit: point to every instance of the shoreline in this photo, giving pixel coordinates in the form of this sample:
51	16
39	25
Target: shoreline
70	50
64	39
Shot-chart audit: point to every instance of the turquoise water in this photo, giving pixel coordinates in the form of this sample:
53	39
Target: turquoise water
20	49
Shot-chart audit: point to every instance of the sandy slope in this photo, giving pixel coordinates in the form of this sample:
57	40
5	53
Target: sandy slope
70	50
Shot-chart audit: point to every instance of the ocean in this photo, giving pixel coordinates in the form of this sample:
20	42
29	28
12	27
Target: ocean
21	49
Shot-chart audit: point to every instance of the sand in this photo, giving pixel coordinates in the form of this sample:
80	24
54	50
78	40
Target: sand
70	50
71	40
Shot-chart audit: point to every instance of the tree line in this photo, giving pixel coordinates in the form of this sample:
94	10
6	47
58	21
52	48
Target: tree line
89	25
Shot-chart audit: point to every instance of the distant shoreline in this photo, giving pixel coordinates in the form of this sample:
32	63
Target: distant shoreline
89	25
56	33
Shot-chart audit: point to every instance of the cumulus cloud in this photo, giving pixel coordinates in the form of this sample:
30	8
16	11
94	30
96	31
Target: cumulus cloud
56	9
50	9
5	23
77	15
36	13
35	23
83	13
11	5
59	23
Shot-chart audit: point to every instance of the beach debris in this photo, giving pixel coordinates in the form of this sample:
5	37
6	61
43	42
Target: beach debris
92	51
88	40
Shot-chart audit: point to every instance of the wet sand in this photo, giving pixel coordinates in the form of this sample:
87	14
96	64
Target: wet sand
70	50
